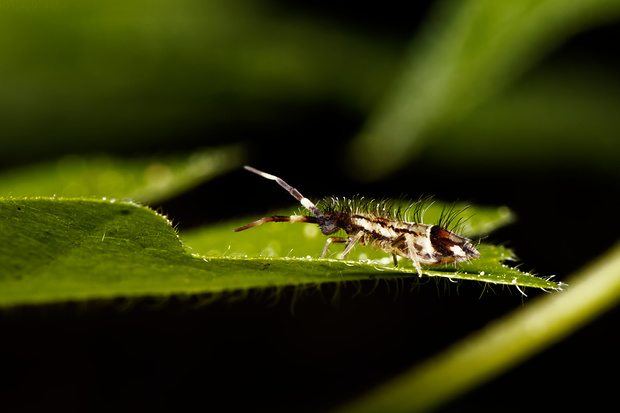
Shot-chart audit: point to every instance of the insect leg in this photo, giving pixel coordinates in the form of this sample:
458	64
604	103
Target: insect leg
330	240
396	244
351	244
412	254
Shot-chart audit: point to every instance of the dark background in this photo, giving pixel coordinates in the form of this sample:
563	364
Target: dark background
309	353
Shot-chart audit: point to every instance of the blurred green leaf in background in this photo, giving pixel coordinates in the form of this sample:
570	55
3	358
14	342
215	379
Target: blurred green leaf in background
126	75
108	104
140	179
469	53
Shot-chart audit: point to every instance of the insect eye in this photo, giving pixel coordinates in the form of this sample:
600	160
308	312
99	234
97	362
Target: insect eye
329	224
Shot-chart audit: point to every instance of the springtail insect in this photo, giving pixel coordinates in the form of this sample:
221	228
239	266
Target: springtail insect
421	243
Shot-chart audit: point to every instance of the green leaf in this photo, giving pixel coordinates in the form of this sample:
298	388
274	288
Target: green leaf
566	111
108	75
148	180
56	250
60	249
468	52
306	242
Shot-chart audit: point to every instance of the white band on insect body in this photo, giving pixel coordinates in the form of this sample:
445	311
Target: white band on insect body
310	206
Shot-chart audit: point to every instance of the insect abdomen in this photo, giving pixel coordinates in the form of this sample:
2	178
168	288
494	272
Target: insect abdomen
432	244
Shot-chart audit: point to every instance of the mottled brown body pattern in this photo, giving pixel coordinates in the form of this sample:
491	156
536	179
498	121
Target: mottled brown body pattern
421	243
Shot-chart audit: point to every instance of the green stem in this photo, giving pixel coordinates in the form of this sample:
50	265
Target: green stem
501	345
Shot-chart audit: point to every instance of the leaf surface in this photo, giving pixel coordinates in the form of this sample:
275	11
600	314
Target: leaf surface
58	250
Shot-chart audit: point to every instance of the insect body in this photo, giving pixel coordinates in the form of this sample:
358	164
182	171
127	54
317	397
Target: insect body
421	243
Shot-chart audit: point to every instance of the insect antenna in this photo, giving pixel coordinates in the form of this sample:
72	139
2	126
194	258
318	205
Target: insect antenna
298	196
279	218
